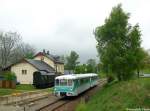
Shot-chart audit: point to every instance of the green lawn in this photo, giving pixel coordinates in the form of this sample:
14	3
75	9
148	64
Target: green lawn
19	89
146	71
119	96
27	87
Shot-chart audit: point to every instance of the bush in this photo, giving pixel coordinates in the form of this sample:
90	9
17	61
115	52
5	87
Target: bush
110	78
10	76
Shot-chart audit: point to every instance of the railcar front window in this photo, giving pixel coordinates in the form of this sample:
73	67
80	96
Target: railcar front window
69	82
63	82
57	82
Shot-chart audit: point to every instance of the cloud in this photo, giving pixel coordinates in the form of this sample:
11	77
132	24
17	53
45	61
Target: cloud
65	25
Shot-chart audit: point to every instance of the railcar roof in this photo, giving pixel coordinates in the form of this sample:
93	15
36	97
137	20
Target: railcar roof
76	76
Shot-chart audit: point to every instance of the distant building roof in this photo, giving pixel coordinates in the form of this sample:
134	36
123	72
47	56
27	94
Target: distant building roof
40	65
55	58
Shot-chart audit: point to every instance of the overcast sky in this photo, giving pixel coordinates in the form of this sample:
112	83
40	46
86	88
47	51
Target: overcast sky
64	25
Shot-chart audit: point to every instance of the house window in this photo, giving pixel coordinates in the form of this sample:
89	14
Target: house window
24	72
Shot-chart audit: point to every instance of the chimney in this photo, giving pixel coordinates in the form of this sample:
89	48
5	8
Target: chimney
48	52
44	51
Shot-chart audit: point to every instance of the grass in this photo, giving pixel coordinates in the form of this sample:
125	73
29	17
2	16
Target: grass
146	71
20	89
119	96
27	87
102	74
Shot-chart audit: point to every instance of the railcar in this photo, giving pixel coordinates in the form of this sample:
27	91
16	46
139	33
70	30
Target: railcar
73	85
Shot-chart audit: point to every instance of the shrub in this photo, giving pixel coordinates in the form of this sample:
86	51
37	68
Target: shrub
110	78
10	76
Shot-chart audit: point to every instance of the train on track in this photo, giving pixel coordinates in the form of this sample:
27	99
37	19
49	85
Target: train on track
74	84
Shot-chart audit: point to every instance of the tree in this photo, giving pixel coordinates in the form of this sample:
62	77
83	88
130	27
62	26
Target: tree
8	43
144	63
26	50
118	45
23	50
81	69
146	60
71	61
12	49
91	66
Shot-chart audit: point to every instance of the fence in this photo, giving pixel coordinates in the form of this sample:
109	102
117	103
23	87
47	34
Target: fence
7	84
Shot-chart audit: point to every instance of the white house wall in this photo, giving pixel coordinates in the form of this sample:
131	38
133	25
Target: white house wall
24	78
60	68
46	60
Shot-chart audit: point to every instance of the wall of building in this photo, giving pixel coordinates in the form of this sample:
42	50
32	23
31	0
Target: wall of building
24	78
46	60
60	68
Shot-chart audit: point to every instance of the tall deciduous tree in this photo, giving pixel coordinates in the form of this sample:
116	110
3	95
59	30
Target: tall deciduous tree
8	43
119	45
26	50
13	49
81	69
72	61
91	66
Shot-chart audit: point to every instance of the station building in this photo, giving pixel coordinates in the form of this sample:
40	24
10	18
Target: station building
42	61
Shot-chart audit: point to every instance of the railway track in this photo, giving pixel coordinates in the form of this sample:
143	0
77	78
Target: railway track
54	106
63	101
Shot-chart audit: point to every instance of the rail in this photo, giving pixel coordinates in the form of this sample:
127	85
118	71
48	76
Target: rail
62	101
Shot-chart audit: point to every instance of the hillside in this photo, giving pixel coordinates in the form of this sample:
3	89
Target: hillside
120	96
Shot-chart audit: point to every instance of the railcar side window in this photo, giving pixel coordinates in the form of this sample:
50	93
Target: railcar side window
69	82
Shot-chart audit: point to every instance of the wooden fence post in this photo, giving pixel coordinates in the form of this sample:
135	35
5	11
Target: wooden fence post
1	83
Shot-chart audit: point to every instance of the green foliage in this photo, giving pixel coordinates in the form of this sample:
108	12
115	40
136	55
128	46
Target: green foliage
9	76
119	45
101	74
81	106
146	71
144	65
110	78
91	66
120	95
71	61
29	55
81	69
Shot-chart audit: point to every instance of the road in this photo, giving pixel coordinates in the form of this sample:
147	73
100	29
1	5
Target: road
145	75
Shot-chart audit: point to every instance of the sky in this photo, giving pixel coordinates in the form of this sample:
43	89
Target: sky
64	25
